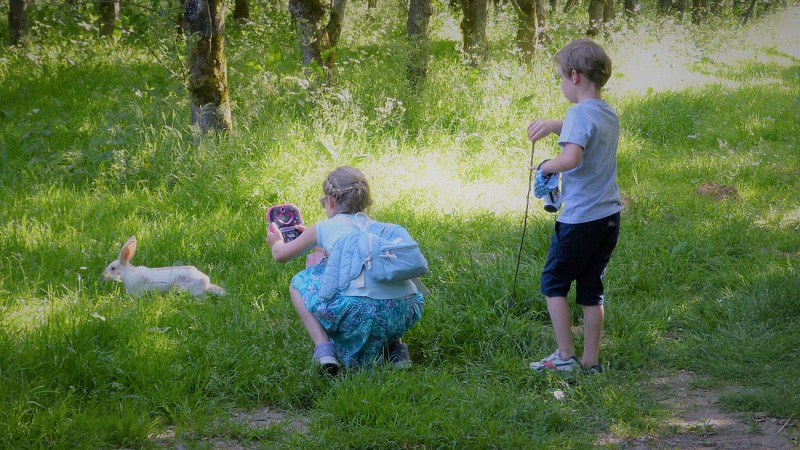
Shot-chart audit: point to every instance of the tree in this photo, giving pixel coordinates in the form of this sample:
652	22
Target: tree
699	10
241	10
419	15
531	19
473	30
208	71
631	7
318	40
334	29
601	13
18	22
109	12
313	36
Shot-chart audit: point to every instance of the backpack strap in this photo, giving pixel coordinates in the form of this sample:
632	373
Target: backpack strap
420	287
360	280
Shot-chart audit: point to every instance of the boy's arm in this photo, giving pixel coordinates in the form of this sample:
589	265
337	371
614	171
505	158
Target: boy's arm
569	159
540	128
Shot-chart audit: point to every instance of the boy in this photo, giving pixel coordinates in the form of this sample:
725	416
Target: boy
587	229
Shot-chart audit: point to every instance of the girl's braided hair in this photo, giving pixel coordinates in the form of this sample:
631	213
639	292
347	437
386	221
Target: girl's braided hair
349	188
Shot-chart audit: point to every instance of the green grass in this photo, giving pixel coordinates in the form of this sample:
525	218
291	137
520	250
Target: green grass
96	145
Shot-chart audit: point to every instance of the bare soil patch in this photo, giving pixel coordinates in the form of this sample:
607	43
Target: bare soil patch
258	420
696	422
718	192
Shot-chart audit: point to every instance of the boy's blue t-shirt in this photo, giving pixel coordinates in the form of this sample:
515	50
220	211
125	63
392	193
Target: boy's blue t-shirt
590	191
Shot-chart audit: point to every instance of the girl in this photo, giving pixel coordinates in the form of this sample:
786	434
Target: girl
351	326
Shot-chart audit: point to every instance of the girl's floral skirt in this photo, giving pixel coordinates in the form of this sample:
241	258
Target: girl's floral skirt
359	327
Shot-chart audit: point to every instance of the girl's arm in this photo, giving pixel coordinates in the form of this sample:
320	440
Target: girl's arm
286	251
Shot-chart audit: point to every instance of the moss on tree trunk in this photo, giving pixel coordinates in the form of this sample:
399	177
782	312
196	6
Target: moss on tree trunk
208	71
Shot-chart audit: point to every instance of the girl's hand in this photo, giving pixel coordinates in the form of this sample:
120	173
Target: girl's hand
274	235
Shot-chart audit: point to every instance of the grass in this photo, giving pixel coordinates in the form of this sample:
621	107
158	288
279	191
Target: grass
96	146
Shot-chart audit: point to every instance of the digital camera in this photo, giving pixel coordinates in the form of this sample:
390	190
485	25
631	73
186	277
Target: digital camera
286	217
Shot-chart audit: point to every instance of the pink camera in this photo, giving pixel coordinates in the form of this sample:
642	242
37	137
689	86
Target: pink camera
286	217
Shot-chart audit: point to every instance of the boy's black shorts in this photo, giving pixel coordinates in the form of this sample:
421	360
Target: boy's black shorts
580	252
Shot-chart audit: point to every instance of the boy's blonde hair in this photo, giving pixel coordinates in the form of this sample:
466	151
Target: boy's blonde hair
349	188
587	58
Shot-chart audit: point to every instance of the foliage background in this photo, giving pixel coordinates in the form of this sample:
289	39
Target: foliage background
96	146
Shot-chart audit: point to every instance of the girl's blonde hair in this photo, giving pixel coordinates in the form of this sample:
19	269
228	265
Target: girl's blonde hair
349	188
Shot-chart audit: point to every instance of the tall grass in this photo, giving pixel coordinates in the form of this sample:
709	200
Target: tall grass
97	146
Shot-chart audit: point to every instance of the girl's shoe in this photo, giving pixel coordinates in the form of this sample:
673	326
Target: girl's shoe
399	357
555	363
325	355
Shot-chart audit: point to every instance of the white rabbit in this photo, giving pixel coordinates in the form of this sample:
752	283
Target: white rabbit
138	279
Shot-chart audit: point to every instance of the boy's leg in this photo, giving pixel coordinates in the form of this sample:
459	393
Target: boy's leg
314	328
593	317
560	318
589	287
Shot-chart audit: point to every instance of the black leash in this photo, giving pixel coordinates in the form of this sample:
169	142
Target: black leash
522	240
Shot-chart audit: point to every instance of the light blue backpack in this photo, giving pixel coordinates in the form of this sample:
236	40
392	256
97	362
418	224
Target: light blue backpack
382	252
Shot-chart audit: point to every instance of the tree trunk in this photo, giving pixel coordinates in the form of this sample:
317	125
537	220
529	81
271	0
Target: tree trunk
18	22
241	11
419	16
749	13
334	30
631	6
208	71
179	18
313	34
109	12
473	29
699	10
530	25
601	13
595	17
608	12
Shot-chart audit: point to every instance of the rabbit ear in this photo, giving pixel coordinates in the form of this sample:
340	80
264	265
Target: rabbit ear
128	250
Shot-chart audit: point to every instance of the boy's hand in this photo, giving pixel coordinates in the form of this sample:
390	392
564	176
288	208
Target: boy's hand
540	128
544	184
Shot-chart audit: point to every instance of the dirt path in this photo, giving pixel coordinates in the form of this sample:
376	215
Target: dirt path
697	423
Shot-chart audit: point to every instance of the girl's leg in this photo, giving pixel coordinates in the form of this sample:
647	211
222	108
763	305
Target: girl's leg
559	316
314	328
593	317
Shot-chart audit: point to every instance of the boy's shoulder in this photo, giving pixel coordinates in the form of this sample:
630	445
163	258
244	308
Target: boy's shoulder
592	110
593	104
